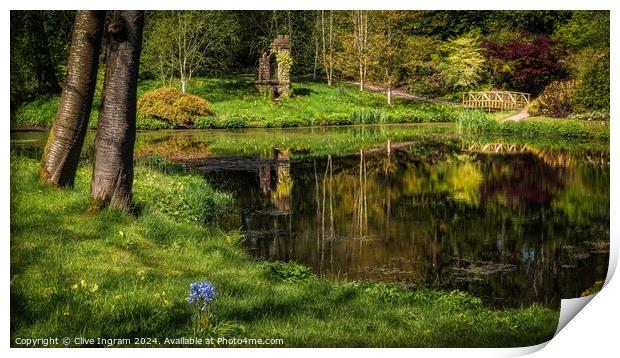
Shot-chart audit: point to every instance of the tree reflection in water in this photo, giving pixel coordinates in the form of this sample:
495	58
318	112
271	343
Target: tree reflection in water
502	226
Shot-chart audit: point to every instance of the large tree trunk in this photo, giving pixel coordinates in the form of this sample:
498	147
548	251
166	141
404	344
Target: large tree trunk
64	144
116	132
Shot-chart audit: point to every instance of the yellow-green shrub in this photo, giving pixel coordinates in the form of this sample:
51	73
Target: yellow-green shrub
556	100
173	106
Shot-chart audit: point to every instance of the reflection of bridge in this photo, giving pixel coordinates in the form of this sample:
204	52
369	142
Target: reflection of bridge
496	148
496	100
552	157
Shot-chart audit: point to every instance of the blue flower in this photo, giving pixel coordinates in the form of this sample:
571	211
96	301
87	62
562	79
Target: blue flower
201	294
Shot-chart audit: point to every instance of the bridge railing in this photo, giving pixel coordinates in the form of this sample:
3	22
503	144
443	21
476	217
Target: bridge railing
496	100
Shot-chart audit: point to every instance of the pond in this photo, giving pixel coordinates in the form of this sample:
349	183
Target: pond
511	220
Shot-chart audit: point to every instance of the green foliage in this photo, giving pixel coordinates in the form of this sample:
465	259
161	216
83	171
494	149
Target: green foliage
288	272
185	197
566	128
476	122
556	100
585	29
459	300
591	116
423	76
233	120
284	63
464	64
385	292
40	112
187	43
368	115
147	122
169	104
593	77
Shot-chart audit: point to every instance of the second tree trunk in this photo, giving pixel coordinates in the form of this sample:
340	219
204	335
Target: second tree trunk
116	131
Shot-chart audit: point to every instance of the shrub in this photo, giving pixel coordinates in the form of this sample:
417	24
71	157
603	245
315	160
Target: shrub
556	100
526	63
591	116
232	120
146	122
289	272
475	122
169	104
205	122
458	301
592	93
184	197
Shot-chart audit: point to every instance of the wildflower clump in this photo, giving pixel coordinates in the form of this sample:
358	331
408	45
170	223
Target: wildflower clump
201	297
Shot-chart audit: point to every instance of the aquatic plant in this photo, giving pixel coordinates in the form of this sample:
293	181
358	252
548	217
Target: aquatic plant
475	122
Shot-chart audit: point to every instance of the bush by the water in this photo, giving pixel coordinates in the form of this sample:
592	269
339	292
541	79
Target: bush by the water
593	90
475	122
556	100
169	104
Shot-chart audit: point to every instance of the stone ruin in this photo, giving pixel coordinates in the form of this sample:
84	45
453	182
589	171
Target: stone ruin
280	85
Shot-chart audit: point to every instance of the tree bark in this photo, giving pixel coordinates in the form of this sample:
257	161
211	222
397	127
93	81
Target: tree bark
113	162
64	144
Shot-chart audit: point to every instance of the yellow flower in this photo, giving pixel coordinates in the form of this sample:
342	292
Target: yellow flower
66	313
94	288
74	286
118	297
83	282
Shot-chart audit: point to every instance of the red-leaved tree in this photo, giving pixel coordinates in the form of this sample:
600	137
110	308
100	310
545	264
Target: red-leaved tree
526	63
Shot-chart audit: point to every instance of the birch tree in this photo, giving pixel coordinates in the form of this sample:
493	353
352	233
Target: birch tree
360	31
182	44
327	45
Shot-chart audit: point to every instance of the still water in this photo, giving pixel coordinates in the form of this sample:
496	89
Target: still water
510	224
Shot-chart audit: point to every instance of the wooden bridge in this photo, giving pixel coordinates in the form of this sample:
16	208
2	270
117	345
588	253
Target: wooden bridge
496	100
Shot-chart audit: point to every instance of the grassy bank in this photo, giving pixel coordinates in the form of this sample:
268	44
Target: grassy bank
115	275
477	122
236	103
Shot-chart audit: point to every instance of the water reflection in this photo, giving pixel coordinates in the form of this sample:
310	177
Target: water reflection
502	226
509	220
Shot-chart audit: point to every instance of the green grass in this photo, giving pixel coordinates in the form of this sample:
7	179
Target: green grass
115	275
237	104
478	122
566	128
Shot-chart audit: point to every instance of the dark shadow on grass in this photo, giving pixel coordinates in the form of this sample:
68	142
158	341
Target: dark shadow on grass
302	92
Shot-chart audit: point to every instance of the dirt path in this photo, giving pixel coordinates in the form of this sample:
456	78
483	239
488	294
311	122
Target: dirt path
519	116
402	94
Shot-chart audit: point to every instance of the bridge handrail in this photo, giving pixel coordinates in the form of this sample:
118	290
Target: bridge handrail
501	100
513	92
